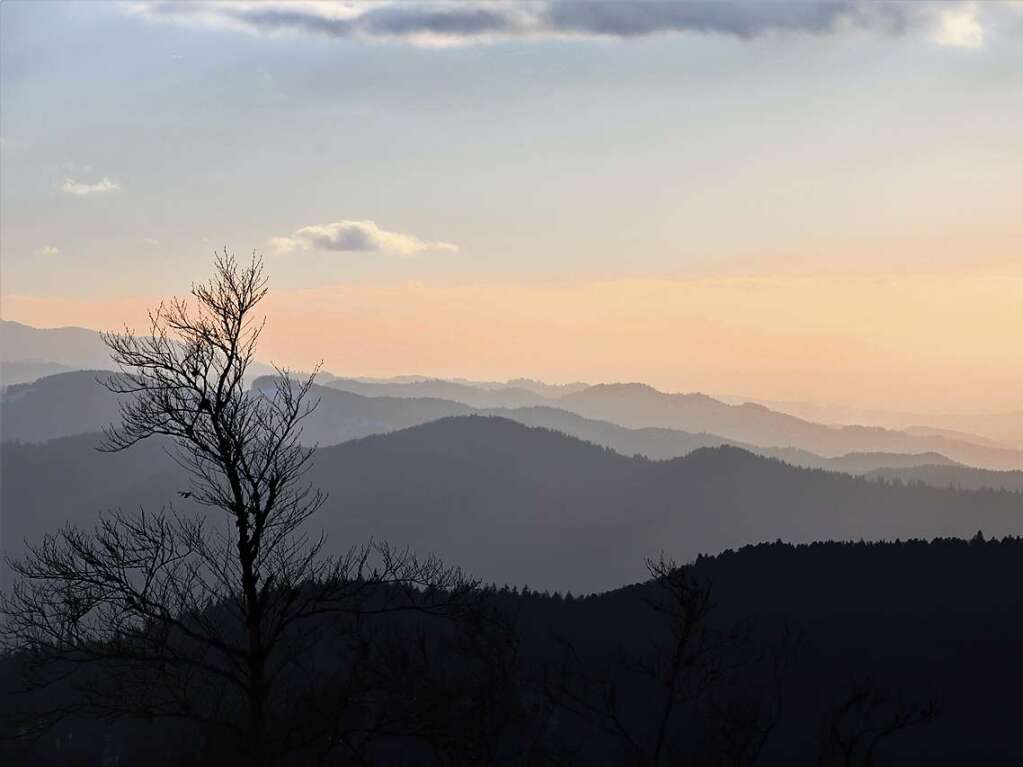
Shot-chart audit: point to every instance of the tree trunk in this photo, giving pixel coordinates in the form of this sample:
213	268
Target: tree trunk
256	729
257	745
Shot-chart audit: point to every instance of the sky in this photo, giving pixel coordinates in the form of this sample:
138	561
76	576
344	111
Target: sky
788	201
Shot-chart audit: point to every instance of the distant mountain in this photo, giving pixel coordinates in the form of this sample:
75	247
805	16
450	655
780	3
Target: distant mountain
343	415
639	405
1004	429
68	479
28	354
57	406
546	389
464	393
996	430
861	463
635	406
656	444
26	372
962	436
521	505
75	348
665	444
75	403
959	477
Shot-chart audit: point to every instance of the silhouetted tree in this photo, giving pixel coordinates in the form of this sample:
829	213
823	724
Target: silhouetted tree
855	730
208	618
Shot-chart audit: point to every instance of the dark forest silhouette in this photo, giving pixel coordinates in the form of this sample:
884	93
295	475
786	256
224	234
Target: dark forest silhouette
806	654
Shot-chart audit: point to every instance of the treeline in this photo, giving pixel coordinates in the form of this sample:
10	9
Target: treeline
827	653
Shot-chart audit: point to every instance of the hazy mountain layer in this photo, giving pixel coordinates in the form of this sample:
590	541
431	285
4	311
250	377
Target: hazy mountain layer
75	403
1005	429
24	371
961	477
342	415
522	384
57	406
51	350
71	347
638	405
870	448
665	444
465	393
520	505
630	405
641	406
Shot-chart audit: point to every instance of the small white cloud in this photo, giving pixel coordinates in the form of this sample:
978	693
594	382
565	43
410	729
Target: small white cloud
285	244
959	27
357	236
150	241
48	250
82	189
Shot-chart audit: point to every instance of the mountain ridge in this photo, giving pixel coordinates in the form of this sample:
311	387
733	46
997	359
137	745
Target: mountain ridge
53	407
516	504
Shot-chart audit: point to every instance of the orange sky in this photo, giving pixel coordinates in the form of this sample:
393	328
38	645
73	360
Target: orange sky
914	342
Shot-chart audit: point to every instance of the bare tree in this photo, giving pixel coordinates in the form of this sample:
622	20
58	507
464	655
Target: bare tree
201	616
854	731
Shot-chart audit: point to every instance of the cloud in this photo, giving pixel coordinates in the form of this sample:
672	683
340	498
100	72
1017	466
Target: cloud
959	27
363	236
82	189
150	241
452	23
48	250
